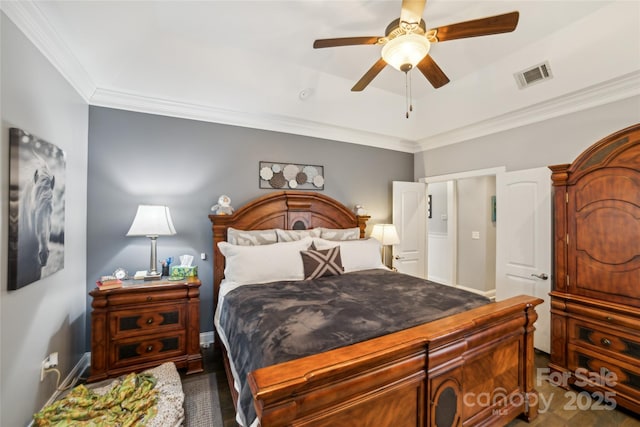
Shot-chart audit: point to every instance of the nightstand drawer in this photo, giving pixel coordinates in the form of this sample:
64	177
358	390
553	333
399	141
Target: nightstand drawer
613	342
126	323
148	348
147	297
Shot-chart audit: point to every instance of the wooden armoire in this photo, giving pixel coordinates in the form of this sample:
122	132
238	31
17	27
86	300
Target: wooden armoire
595	303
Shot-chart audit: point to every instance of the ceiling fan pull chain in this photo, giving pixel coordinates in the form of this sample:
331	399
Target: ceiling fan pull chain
410	95
406	92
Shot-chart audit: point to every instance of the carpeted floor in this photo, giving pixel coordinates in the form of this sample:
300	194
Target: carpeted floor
201	401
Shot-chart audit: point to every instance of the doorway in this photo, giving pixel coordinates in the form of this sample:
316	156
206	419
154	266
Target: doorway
461	237
522	244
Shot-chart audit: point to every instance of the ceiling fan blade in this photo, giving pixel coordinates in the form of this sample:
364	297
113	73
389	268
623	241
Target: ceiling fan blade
412	11
478	27
432	72
344	41
369	75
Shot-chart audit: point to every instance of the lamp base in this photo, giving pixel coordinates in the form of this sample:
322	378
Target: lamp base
152	276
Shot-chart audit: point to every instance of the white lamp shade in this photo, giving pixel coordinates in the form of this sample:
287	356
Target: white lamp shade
152	220
405	49
386	234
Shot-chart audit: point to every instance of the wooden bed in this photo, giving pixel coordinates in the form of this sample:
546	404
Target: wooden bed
472	368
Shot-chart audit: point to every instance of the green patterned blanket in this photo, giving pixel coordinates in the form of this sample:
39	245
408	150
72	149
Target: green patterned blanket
132	402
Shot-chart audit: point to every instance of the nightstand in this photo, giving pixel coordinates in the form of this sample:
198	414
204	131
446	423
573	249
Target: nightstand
144	324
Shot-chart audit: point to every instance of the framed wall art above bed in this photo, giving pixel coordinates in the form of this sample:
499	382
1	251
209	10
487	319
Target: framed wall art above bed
469	362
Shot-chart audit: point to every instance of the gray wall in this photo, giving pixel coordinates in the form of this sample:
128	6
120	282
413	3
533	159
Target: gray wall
476	258
137	158
48	315
555	141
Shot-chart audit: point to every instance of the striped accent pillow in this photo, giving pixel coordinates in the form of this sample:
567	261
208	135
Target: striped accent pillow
319	263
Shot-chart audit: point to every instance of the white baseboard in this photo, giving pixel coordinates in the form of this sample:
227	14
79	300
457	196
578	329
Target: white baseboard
491	294
438	279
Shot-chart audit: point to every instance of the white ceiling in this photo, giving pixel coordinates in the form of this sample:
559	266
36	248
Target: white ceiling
251	63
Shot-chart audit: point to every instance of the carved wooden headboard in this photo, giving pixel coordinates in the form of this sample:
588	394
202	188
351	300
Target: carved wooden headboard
288	210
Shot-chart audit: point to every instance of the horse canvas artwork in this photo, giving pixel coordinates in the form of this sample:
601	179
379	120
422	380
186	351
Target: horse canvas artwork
36	208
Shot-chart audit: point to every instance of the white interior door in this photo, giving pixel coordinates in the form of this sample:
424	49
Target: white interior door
523	249
410	219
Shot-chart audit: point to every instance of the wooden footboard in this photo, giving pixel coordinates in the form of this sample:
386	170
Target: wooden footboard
473	368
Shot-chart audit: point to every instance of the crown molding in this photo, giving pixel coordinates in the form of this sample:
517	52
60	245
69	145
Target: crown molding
30	20
613	90
264	121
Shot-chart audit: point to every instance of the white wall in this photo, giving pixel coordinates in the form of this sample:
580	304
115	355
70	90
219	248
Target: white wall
554	141
48	315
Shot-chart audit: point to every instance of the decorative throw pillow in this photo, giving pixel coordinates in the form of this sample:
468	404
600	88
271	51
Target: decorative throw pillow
321	263
292	235
340	233
251	237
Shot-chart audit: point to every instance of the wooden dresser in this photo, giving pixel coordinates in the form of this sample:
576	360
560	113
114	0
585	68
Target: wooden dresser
144	324
595	304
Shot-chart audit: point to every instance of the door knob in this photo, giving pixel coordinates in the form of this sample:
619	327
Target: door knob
542	276
398	257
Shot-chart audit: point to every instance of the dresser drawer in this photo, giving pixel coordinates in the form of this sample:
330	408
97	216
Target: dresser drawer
604	316
132	322
133	351
601	371
613	342
134	298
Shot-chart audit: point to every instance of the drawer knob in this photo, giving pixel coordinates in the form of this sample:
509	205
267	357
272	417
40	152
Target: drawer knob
149	348
609	318
149	320
149	298
606	342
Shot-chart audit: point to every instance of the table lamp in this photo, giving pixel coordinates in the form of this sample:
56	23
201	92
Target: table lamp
387	235
152	221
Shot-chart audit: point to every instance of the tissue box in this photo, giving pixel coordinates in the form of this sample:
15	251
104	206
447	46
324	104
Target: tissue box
179	271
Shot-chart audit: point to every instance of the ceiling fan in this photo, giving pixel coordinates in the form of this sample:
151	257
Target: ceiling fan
407	41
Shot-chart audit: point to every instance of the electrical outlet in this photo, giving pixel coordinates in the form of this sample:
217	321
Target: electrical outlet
51	361
203	256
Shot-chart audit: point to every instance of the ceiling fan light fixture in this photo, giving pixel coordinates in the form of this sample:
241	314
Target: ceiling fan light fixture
405	49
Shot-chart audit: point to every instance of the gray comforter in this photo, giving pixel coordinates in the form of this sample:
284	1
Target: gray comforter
271	323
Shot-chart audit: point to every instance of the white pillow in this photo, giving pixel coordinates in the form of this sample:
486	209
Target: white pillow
362	254
340	233
264	263
291	235
251	237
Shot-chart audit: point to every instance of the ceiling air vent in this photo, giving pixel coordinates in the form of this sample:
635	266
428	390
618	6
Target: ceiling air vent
533	75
